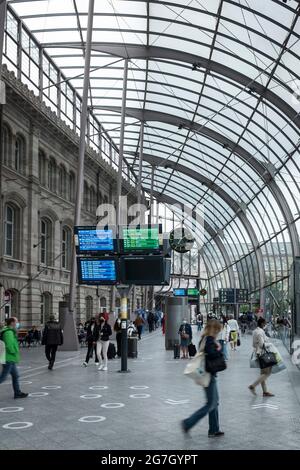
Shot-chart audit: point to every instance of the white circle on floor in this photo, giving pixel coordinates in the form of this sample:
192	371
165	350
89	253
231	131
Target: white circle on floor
92	419
51	387
11	409
38	394
25	382
139	387
91	396
17	425
112	405
140	395
24	367
98	387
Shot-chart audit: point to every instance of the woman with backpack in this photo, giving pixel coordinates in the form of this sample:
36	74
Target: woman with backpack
185	332
212	349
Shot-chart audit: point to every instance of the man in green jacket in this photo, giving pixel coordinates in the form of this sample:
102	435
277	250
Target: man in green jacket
10	339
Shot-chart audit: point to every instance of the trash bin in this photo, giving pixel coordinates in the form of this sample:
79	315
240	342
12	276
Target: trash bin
132	346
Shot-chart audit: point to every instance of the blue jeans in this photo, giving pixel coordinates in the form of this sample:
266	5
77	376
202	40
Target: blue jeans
11	368
211	408
199	326
224	349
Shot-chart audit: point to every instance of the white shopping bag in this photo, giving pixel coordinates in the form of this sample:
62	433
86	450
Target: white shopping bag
195	369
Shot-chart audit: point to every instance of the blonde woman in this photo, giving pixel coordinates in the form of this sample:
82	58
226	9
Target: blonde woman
212	350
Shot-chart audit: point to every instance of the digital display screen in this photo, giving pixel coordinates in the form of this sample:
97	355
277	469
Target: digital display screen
147	270
97	271
193	292
141	239
179	292
227	296
93	240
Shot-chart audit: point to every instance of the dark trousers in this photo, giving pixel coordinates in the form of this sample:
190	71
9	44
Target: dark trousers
119	343
50	351
91	348
211	408
11	368
151	326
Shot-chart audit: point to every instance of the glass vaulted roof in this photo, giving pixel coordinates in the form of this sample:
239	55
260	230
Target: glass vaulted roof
216	83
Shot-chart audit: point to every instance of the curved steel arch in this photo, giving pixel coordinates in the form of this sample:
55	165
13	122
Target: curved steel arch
137	51
263	171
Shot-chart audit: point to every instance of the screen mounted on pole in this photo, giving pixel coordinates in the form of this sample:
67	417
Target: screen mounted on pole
97	271
95	240
141	239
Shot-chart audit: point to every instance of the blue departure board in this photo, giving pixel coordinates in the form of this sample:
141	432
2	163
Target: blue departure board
97	271
91	240
179	292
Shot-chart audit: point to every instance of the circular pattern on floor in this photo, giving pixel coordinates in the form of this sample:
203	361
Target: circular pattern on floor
17	425
38	394
112	405
51	387
90	397
98	387
140	395
92	419
25	382
11	409
139	387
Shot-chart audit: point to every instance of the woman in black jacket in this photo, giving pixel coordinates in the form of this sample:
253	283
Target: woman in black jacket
101	334
212	350
52	338
90	343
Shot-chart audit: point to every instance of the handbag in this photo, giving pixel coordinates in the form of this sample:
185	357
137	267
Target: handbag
216	364
267	359
254	364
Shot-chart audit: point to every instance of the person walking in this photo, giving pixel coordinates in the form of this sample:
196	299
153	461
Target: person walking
102	332
118	331
199	321
260	342
90	343
185	332
151	320
234	332
12	356
212	349
52	338
139	323
223	337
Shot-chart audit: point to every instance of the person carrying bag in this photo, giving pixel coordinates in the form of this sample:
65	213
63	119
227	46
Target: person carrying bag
208	357
266	359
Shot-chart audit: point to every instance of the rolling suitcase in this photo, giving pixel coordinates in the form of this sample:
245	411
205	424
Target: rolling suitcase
176	351
192	350
111	352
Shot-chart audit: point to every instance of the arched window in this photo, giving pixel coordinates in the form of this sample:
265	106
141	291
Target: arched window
12	306
86	197
11	230
71	187
62	181
52	175
19	161
46	241
93	202
42	168
118	305
89	307
66	245
6	145
45	307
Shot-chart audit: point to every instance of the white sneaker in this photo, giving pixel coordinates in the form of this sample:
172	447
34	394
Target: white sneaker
104	368
85	364
97	364
100	368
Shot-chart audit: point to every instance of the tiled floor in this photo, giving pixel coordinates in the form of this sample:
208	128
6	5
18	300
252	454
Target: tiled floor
146	417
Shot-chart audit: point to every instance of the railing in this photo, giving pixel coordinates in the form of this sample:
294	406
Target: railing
34	67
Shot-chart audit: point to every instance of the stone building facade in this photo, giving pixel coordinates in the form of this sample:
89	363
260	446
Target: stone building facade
38	177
